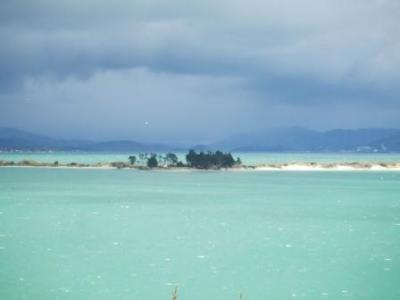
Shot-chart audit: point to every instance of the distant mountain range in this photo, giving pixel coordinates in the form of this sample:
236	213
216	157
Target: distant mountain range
293	139
301	139
15	139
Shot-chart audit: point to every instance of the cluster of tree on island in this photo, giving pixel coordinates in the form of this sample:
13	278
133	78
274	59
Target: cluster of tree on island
201	160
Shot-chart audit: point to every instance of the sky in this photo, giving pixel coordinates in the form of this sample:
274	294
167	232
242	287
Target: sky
197	71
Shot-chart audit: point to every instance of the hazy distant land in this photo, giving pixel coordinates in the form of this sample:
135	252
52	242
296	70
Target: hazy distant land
286	140
292	139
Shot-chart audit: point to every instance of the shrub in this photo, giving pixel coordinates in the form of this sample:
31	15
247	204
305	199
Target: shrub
119	164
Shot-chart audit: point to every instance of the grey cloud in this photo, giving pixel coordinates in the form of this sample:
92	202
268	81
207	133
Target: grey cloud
120	103
328	39
283	56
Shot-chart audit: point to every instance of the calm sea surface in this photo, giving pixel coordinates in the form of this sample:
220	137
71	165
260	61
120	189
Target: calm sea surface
128	234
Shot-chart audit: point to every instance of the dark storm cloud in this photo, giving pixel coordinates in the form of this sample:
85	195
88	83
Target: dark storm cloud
275	60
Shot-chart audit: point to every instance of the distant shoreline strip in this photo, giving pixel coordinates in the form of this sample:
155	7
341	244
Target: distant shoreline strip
312	166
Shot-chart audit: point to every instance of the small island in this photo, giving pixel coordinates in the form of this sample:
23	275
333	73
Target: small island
210	160
144	161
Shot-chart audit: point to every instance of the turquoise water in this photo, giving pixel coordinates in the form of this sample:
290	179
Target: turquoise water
247	158
127	234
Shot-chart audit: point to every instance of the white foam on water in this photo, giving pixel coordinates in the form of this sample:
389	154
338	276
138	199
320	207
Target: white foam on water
201	256
214	269
173	284
345	291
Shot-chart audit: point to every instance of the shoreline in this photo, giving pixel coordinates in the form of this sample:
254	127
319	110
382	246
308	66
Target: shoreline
292	167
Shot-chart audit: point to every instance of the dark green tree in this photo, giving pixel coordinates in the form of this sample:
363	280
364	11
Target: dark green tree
132	159
227	160
191	158
210	160
152	161
143	157
171	159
